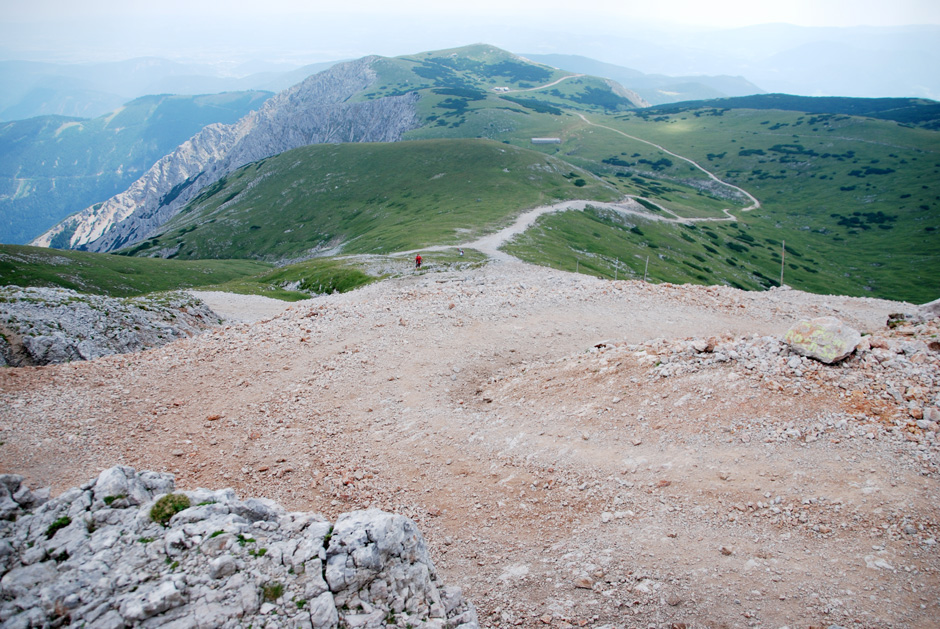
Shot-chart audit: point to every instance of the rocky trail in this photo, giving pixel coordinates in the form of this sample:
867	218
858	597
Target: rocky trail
491	244
578	452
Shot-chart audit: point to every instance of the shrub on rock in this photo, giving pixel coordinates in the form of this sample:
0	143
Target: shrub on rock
168	506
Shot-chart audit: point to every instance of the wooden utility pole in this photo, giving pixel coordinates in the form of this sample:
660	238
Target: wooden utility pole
783	255
647	268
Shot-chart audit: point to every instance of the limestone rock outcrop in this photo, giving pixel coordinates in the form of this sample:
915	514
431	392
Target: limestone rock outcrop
930	310
41	326
95	556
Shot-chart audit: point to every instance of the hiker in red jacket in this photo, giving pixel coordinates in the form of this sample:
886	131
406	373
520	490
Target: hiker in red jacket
418	261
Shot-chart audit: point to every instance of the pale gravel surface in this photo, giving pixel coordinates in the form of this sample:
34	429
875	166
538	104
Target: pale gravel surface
560	484
234	308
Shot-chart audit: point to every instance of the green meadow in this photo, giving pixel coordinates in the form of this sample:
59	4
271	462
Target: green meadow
369	199
856	198
117	276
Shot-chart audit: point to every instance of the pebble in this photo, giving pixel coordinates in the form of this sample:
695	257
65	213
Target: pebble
861	380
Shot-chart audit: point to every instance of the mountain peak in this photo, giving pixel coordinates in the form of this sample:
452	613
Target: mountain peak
346	103
319	109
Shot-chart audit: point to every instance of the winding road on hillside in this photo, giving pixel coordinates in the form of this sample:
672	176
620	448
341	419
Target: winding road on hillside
542	87
729	216
631	204
754	202
491	243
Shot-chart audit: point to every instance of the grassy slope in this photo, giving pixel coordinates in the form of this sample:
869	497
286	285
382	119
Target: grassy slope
52	166
370	198
385	198
822	180
449	191
299	281
344	273
812	173
854	198
606	244
117	276
913	111
652	173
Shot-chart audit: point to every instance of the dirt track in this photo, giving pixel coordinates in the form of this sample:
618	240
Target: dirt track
560	483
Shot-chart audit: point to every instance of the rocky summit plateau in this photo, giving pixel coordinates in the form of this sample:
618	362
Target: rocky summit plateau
576	452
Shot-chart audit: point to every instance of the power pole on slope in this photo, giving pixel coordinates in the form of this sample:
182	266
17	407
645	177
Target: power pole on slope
783	255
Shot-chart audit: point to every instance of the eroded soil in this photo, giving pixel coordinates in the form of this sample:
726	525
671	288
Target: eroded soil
517	414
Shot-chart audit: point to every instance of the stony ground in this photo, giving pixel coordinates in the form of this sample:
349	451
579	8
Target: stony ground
578	452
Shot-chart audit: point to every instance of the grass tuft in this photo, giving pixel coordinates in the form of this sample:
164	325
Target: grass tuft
167	506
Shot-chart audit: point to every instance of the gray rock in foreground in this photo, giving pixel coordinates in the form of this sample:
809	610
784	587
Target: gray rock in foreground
929	310
825	339
94	557
41	326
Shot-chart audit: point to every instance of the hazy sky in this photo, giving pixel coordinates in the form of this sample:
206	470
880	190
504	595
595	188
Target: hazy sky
306	31
730	13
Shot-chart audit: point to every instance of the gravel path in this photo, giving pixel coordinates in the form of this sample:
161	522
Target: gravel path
233	308
572	459
729	216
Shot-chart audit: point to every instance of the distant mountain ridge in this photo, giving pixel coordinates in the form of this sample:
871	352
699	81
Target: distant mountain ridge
52	166
915	111
861	61
655	88
288	120
342	104
29	89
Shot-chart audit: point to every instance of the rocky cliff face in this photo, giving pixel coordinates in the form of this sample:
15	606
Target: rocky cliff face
315	111
125	549
630	95
41	326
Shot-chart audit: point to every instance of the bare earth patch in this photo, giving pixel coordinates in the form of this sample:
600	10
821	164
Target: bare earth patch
578	452
235	308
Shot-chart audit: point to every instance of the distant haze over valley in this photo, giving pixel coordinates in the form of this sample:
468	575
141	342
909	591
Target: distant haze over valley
90	77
